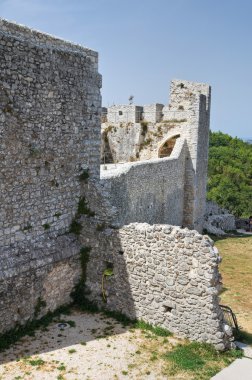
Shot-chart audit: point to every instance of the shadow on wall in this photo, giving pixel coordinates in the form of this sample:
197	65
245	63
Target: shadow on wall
162	274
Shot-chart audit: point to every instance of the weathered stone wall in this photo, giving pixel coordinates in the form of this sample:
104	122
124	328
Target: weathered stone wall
165	275
121	142
50	131
188	116
124	114
148	191
153	113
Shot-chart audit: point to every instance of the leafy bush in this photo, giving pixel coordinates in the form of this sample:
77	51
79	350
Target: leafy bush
230	173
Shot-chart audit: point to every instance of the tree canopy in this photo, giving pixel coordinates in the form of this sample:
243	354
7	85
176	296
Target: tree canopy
230	173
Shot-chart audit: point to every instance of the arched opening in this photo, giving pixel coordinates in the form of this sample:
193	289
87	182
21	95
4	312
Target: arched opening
167	148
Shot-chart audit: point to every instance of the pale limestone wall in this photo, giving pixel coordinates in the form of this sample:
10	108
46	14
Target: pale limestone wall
153	113
124	114
121	141
50	131
164	275
148	191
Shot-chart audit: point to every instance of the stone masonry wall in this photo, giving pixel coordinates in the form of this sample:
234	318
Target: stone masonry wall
50	131
188	116
153	113
164	275
124	114
148	191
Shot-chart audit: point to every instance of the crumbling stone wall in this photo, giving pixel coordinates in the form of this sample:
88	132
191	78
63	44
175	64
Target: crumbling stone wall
162	274
50	131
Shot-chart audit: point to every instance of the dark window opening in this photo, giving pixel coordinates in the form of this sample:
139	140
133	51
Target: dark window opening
167	309
120	113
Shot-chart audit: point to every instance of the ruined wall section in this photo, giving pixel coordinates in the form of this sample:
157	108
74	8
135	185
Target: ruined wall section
153	113
121	141
50	131
162	274
148	191
195	99
124	114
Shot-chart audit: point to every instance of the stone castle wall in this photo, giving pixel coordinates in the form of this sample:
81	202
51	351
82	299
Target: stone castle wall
49	126
50	108
187	116
124	114
148	191
162	274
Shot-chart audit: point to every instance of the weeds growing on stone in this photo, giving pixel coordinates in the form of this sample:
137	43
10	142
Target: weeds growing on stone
83	208
75	227
46	226
84	175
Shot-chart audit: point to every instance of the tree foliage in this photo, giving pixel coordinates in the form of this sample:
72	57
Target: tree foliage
230	173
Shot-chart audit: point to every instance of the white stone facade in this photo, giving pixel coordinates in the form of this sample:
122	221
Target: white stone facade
124	114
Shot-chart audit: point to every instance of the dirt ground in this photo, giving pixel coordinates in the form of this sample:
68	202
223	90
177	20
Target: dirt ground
96	347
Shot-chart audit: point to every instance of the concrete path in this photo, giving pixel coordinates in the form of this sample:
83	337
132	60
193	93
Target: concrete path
244	232
240	369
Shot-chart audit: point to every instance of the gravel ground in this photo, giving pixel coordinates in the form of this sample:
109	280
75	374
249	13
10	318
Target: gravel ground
97	347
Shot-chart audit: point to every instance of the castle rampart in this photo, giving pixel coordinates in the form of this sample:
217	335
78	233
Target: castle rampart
53	201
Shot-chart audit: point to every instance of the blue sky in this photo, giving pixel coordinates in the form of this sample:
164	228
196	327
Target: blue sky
143	44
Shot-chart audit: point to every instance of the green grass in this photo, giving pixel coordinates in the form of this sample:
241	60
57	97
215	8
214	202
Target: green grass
35	362
72	351
199	358
62	367
156	330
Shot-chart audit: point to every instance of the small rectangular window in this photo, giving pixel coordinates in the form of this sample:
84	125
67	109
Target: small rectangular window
120	113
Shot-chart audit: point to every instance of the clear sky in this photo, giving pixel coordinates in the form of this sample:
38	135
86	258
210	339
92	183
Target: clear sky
143	44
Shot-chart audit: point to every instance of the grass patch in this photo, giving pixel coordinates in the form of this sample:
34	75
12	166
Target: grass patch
156	330
72	351
236	270
200	358
35	362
